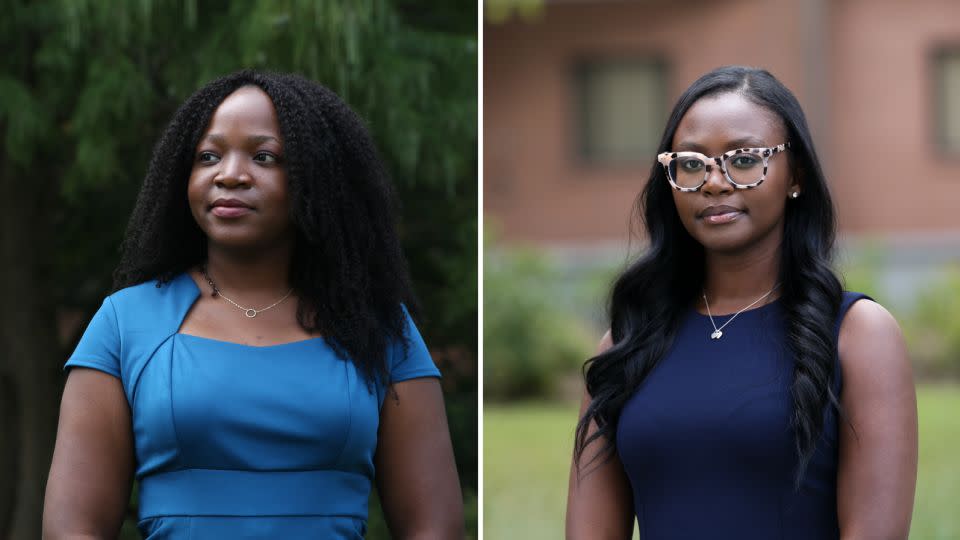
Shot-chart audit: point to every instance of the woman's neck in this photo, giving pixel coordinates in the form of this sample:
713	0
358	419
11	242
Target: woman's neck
267	271
735	280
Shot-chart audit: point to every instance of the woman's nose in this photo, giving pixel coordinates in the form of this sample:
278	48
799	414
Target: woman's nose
716	183
233	172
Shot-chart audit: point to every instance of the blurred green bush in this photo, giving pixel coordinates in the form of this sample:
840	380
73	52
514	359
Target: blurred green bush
531	345
931	324
932	329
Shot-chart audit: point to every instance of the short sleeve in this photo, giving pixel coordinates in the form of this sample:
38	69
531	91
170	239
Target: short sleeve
99	348
413	362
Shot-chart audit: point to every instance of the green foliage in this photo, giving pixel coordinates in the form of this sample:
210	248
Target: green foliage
24	117
860	271
530	345
86	87
933	327
499	11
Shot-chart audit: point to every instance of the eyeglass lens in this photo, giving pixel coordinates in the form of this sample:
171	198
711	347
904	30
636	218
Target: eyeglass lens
691	171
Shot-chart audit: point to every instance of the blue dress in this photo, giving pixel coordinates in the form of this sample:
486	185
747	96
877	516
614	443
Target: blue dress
707	443
236	441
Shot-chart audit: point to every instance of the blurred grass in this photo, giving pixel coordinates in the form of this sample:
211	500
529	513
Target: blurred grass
526	458
527	450
935	515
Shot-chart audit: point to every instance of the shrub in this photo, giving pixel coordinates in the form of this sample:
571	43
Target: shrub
933	327
530	344
930	323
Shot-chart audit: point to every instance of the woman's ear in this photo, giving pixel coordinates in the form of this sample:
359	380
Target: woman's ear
795	187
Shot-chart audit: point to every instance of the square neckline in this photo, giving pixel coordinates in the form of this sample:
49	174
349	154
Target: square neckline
196	295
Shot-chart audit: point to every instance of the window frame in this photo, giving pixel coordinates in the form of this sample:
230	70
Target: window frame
583	67
941	53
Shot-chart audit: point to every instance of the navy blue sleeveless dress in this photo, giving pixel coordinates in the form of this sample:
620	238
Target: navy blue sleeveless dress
707	442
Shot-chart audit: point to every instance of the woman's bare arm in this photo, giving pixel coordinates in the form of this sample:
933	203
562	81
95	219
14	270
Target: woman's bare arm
416	473
90	478
599	498
878	458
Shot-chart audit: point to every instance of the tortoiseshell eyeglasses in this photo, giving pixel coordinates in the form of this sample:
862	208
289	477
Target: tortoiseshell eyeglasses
745	168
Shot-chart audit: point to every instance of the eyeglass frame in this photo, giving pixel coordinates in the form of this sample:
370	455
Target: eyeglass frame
666	158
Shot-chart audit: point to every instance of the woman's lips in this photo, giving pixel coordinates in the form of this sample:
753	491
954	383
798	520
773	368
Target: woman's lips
230	211
719	219
228	207
718	215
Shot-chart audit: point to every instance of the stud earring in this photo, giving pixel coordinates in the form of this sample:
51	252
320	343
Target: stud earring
795	194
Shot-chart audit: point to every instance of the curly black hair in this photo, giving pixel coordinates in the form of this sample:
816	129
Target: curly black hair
648	300
347	266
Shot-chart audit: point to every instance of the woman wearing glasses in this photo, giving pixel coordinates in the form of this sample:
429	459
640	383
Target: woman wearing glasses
740	392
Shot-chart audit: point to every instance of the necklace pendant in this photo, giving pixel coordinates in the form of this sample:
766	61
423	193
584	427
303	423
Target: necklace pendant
717	334
251	313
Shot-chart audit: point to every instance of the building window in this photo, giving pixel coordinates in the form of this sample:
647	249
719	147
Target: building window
622	109
947	81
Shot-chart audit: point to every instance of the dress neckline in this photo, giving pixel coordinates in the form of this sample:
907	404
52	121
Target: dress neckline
234	343
192	285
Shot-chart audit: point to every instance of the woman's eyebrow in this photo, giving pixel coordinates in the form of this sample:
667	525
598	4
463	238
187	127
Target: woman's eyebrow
746	142
689	146
263	138
743	142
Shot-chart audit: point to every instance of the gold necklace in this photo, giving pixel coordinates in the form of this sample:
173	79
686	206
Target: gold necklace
249	312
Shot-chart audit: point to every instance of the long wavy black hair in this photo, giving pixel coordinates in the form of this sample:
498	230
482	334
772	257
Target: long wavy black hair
648	300
347	266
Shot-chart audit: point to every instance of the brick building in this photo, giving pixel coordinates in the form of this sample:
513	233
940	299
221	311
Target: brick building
576	97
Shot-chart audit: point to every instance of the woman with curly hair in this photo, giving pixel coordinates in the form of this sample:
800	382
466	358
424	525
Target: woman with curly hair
256	362
741	392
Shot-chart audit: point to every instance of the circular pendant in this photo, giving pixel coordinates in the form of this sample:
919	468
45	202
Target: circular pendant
250	313
717	334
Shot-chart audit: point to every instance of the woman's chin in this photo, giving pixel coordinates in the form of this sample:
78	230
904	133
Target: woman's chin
236	241
243	239
724	242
